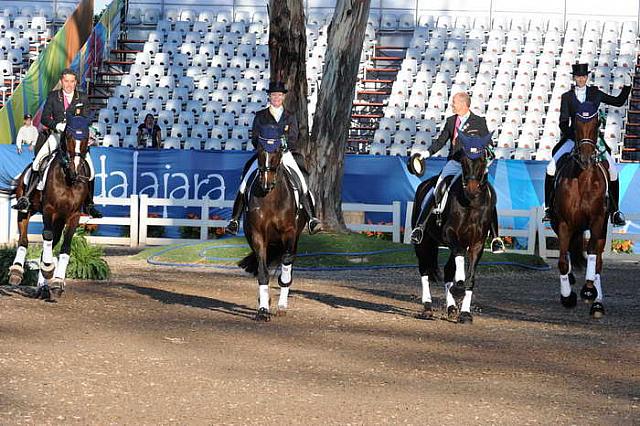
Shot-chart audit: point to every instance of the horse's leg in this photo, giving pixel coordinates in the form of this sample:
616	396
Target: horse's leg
58	281
46	260
260	248
474	255
54	232
568	297
597	307
286	269
16	270
427	254
449	277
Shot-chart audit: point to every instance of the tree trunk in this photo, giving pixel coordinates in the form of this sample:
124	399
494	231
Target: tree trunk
288	53
325	152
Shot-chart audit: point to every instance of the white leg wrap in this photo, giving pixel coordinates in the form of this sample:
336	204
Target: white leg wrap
21	254
598	287
252	168
263	290
61	268
450	300
565	287
591	267
41	280
466	302
285	275
290	163
426	291
283	299
47	251
460	276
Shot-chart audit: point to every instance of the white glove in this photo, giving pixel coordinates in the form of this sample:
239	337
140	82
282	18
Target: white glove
424	155
61	126
627	79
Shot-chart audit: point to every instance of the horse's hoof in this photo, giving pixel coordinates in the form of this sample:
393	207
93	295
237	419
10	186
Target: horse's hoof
588	294
465	318
43	293
57	287
457	290
453	313
569	301
16	273
572	279
597	310
281	311
427	312
47	270
262	315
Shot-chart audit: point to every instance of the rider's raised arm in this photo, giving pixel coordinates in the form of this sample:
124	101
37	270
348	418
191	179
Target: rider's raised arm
445	135
292	132
616	101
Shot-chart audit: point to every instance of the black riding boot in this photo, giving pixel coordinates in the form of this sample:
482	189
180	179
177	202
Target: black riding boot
234	223
23	202
617	218
497	245
309	207
90	208
548	197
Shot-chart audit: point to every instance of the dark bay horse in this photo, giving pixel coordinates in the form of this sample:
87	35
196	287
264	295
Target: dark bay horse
272	225
463	228
581	204
60	203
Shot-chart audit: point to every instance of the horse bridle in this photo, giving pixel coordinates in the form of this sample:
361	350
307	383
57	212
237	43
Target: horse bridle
76	156
482	179
267	168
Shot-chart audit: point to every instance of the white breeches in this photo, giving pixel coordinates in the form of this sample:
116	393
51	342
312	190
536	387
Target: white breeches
51	145
452	168
566	148
288	161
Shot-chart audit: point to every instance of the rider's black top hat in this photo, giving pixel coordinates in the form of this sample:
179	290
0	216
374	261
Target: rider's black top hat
276	86
580	69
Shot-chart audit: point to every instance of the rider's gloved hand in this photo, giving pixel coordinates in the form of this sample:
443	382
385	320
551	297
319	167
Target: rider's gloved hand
424	155
61	126
627	79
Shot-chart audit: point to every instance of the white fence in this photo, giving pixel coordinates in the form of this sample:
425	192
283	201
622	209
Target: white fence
139	220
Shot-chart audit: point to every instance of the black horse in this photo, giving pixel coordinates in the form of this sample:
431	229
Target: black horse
581	204
462	227
273	223
60	202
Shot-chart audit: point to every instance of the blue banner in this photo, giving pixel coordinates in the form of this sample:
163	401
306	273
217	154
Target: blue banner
179	174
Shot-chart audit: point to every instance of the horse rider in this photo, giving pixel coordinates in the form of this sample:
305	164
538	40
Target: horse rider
463	120
570	101
58	103
276	120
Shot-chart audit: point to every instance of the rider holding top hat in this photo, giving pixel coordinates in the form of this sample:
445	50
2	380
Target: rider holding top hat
570	102
271	122
60	103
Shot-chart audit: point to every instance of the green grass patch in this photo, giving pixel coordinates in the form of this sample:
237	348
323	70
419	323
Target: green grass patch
198	253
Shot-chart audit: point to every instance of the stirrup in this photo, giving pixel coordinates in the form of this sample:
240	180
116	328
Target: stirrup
314	225
547	215
233	227
618	219
497	246
417	235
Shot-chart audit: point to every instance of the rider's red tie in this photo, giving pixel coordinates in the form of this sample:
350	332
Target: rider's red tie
455	128
66	102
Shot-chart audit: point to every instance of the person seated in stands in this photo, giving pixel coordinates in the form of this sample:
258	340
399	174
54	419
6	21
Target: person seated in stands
462	120
65	100
27	135
149	133
269	121
570	101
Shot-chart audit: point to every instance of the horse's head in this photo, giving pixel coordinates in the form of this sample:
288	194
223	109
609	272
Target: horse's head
474	162
586	133
76	144
270	151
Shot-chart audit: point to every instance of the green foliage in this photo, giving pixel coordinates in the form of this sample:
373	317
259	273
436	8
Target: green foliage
7	254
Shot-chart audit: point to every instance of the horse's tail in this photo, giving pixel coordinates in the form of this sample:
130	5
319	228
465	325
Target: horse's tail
250	262
578	261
